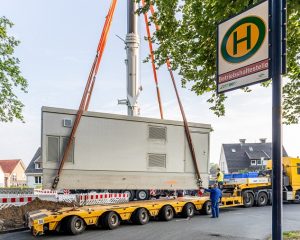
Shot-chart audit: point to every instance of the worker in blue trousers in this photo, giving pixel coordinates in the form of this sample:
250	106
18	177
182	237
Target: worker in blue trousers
215	195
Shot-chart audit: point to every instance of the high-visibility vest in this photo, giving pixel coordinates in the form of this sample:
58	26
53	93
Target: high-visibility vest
220	177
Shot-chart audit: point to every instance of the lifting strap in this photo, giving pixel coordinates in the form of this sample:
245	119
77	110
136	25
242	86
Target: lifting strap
88	88
185	123
153	62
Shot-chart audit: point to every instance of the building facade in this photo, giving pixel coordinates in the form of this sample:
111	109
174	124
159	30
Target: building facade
34	171
13	173
242	156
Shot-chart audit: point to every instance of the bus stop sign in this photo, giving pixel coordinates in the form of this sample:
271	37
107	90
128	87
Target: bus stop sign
243	49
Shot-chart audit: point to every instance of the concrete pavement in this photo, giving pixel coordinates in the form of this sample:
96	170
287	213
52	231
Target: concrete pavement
233	224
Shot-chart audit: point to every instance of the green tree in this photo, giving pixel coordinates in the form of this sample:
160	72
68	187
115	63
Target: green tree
213	168
10	75
188	37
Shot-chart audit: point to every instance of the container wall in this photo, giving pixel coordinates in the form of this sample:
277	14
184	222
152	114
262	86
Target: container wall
120	152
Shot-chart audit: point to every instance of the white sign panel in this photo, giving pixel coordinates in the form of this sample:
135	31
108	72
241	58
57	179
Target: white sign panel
243	49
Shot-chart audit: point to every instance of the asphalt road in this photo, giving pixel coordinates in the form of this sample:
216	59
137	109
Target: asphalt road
233	224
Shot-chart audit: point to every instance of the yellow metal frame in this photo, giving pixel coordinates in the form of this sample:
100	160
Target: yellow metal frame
91	214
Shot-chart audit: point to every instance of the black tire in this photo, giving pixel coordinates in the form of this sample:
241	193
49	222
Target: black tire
140	217
75	225
111	221
297	197
248	199
99	223
166	213
262	199
142	195
131	194
206	208
188	210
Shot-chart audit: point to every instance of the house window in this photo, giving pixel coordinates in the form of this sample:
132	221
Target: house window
14	177
233	150
253	162
37	166
298	168
251	149
259	162
38	180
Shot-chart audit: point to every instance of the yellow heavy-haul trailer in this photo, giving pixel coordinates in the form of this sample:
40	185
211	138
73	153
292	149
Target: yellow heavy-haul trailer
74	220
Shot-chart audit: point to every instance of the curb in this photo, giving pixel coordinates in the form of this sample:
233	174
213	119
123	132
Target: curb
14	230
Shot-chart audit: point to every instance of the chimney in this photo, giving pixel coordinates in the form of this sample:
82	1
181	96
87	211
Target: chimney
263	140
243	141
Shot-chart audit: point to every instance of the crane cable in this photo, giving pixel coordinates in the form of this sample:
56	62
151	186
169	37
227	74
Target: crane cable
153	62
100	48
88	88
185	123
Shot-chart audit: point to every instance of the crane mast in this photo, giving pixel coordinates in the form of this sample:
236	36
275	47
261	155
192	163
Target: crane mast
132	62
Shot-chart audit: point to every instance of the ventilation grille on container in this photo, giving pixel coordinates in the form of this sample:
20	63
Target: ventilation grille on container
157	160
67	123
157	132
64	142
53	148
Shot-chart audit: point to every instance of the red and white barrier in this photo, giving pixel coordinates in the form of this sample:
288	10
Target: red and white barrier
67	191
45	192
70	198
15	201
81	199
102	198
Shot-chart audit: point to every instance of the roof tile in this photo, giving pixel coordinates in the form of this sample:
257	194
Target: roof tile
9	165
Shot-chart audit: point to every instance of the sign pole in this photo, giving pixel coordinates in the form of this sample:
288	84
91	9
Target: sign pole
276	31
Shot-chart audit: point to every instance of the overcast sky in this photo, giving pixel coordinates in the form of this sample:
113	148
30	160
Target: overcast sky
58	43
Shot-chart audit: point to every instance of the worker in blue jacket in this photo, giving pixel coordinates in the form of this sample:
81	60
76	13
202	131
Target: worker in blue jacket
215	195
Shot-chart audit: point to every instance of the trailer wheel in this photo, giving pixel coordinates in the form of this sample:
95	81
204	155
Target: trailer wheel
75	225
111	220
142	195
206	208
130	193
166	213
297	197
248	199
188	210
140	217
262	199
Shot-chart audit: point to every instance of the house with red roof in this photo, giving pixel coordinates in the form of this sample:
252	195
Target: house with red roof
1	177
13	173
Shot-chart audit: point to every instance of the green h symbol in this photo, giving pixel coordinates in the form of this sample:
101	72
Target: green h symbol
247	38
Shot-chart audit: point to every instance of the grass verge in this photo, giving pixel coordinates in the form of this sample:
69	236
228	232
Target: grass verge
293	235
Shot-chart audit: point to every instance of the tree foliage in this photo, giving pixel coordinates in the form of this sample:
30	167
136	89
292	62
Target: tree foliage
187	36
10	75
213	167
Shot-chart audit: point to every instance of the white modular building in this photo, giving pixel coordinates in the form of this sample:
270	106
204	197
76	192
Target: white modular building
122	152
